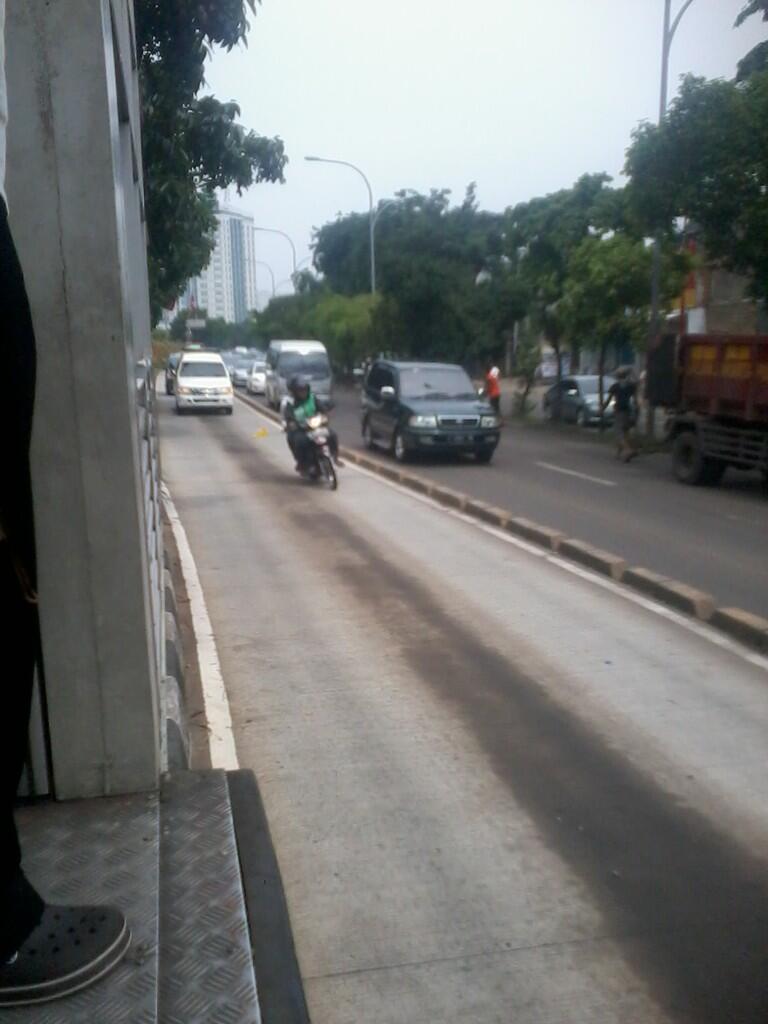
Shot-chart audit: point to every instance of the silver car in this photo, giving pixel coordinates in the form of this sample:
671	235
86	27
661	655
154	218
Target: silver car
240	372
576	399
257	378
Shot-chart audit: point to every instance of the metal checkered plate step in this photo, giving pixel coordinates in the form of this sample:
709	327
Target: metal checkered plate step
99	851
206	966
124	851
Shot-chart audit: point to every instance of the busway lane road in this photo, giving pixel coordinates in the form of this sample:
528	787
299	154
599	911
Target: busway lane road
713	538
499	789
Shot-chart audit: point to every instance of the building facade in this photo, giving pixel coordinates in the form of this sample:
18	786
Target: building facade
227	289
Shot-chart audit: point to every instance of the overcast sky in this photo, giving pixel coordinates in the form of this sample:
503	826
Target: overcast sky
518	95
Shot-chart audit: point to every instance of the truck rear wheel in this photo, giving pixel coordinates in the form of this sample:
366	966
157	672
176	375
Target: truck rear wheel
691	465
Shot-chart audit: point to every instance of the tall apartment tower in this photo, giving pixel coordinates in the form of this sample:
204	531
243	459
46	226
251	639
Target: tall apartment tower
227	286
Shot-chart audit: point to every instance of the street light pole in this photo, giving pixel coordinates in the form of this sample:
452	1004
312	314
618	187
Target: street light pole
670	28
289	240
371	211
261	263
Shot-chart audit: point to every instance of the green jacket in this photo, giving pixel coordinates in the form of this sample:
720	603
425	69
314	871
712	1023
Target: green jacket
305	410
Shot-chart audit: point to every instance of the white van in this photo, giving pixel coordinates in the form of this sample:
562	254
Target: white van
203	382
287	358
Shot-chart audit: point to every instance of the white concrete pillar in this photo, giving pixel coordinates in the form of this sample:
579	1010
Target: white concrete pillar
74	190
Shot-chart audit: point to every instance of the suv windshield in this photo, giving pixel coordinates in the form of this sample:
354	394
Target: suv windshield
435	382
314	365
212	369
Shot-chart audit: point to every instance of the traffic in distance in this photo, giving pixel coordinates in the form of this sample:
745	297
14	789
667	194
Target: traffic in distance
714	391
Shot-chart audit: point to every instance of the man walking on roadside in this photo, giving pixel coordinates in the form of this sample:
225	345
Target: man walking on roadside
493	388
622	392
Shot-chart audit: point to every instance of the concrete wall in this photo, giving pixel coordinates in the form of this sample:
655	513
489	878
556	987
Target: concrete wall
76	205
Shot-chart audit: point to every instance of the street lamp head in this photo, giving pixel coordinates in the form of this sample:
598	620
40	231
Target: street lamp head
316	159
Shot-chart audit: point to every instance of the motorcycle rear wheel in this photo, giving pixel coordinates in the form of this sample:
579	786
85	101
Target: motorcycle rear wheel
328	473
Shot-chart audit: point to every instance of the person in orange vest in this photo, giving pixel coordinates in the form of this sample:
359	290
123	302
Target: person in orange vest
493	388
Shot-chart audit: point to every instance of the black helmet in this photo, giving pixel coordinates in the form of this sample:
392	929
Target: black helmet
298	383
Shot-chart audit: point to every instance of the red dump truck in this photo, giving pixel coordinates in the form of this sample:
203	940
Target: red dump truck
715	388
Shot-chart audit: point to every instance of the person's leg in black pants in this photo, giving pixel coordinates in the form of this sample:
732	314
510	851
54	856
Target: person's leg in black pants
20	906
45	951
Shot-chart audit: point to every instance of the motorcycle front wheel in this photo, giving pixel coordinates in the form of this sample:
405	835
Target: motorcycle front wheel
328	472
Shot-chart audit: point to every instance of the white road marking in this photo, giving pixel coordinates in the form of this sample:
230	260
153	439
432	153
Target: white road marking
581	476
701	629
221	740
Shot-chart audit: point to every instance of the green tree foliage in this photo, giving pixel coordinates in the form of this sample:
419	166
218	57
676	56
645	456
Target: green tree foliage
755	61
753	7
288	316
429	254
541	237
191	145
606	297
606	293
344	323
217	333
757	58
708	162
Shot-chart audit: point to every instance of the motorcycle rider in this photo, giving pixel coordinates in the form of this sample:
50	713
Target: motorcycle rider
297	411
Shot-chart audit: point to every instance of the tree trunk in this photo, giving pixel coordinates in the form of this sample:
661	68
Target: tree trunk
558	378
601	383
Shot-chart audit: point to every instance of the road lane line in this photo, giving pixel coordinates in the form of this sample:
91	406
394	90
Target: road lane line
221	740
581	476
701	629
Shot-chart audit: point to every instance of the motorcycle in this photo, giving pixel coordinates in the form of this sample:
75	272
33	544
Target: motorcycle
319	465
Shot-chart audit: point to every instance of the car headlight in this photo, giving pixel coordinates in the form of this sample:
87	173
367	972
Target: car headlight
490	421
423	421
184	391
223	391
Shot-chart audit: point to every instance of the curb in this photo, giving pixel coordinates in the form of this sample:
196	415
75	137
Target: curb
741	625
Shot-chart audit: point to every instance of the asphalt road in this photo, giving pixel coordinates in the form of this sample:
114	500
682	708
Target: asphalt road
712	538
500	789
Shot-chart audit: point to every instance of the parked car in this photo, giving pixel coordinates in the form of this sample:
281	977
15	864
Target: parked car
577	400
426	407
257	378
203	382
171	367
241	371
285	359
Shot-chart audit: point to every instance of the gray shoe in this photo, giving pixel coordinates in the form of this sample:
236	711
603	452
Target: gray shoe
70	949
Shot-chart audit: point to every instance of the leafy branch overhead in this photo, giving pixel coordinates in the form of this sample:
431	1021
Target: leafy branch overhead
191	145
708	163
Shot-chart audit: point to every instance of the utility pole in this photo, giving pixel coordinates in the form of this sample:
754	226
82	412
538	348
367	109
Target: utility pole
670	28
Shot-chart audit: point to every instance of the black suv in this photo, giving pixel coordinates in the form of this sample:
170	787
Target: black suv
426	407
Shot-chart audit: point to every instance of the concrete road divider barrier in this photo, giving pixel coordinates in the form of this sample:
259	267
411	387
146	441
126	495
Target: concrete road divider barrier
452	499
752	629
490	514
539	534
651	583
688	599
416	483
603	561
